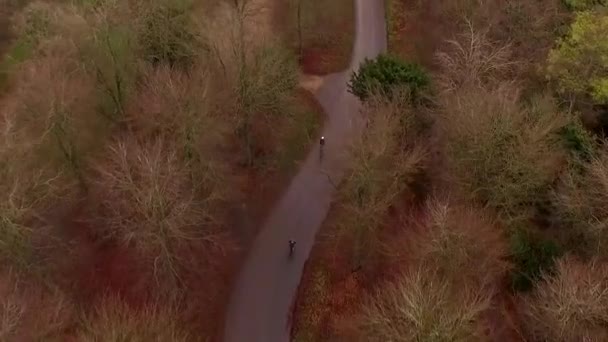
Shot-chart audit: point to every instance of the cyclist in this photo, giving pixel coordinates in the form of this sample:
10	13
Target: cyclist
292	246
321	144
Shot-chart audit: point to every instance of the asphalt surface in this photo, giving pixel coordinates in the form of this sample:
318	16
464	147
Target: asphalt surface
265	289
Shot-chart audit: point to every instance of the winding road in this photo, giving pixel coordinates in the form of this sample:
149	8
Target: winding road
265	289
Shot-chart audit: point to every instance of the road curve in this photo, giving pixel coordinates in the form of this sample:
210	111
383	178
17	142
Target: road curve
265	289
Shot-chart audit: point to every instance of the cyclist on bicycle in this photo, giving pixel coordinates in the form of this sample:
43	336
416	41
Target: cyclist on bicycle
292	246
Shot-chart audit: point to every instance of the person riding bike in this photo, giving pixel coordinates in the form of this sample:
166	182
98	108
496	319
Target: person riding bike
292	246
321	144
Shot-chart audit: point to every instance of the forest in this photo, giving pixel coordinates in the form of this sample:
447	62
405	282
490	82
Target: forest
144	144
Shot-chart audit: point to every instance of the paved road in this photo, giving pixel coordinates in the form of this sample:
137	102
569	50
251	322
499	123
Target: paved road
265	289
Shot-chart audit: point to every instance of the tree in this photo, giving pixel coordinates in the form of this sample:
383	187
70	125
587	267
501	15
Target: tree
464	244
149	202
113	320
503	152
581	206
572	305
421	306
578	64
168	34
384	74
384	164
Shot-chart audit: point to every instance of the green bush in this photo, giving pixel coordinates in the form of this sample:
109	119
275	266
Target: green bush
384	74
578	140
532	256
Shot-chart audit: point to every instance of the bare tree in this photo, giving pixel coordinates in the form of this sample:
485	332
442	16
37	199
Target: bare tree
421	306
148	202
581	206
571	305
383	165
113	320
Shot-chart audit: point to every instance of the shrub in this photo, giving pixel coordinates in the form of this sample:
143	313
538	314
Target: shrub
578	63
532	256
113	320
385	74
580	202
571	305
421	306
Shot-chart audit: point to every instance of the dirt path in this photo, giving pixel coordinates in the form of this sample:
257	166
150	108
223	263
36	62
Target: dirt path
265	289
